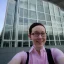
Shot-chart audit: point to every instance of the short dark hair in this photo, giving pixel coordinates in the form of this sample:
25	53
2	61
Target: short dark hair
35	24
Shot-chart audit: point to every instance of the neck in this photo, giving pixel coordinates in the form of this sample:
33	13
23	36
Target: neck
38	49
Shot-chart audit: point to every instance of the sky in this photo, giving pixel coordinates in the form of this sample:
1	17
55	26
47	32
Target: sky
3	4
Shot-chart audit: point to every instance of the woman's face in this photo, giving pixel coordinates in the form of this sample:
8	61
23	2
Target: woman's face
38	36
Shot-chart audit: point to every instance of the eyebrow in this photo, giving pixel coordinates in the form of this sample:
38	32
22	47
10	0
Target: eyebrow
39	32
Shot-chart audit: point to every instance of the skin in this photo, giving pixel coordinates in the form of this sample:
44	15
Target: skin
39	41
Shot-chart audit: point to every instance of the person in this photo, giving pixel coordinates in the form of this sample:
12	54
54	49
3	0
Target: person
37	53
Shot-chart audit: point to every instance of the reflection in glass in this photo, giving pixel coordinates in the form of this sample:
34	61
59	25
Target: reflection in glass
5	44
58	19
31	43
32	1
19	34
57	43
11	8
32	7
56	37
25	13
51	37
52	18
25	21
32	14
21	12
47	36
26	4
47	43
52	43
32	21
62	42
41	16
25	44
56	11
7	35
19	44
25	35
20	21
13	44
43	22
13	35
21	4
46	7
8	19
48	17
51	9
40	6
61	37
49	23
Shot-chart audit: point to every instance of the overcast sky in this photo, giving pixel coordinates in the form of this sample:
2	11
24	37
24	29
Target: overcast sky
3	4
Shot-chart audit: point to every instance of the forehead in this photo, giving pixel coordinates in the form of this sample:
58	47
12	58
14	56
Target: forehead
38	29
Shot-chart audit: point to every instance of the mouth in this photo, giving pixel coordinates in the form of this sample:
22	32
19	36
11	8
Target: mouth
39	42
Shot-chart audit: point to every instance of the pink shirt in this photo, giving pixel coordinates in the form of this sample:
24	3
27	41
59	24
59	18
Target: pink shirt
35	58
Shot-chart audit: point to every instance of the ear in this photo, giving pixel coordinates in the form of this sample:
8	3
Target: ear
29	36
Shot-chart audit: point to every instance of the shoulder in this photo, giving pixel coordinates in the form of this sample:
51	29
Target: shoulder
57	53
18	57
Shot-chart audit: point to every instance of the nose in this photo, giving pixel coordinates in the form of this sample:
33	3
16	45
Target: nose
40	36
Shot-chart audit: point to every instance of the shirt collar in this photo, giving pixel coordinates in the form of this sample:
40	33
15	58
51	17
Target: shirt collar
32	49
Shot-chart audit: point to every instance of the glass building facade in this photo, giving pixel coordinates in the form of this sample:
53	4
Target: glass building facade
20	14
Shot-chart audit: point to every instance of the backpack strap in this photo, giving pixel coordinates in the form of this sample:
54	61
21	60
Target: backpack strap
49	56
27	58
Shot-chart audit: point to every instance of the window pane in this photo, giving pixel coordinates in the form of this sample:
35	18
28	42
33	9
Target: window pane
13	43
61	37
57	43
47	43
51	9
56	37
19	35
56	10
52	43
21	12
20	32
20	21
46	7
26	4
13	35
48	17
43	22
25	13
47	37
7	35
25	35
32	14
32	1
19	44
5	44
51	37
25	44
41	16
58	19
21	4
62	42
25	21
31	43
32	7
52	18
32	21
40	6
8	19
11	8
49	23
